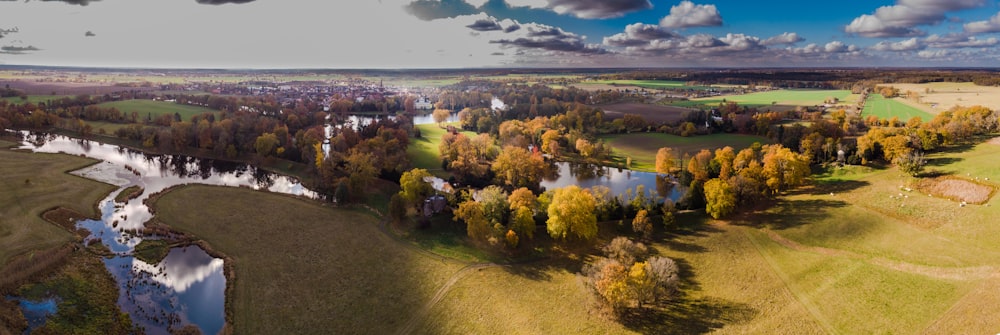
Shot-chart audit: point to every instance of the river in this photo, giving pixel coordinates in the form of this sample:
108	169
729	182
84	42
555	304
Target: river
188	286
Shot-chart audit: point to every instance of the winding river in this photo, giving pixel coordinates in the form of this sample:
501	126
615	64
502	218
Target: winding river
188	286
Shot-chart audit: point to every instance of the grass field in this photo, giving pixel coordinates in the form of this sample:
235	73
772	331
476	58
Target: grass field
31	184
647	84
642	147
779	97
153	108
887	108
35	99
305	268
424	153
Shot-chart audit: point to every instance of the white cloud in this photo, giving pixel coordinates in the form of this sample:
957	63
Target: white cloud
901	19
905	45
687	14
585	9
784	38
477	3
988	26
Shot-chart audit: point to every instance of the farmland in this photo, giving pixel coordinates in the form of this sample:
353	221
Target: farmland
778	97
645	84
649	112
937	97
34	99
153	109
642	147
883	108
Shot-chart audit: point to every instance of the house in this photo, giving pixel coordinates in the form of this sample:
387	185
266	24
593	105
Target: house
423	103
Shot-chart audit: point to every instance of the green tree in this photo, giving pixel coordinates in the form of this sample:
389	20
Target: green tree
523	222
571	214
414	188
265	144
720	198
494	203
911	163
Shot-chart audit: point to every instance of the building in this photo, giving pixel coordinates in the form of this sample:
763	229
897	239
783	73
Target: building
423	103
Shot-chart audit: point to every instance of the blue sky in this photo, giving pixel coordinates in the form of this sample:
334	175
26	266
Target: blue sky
498	33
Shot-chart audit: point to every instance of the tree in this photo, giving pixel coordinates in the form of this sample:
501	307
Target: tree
471	212
550	142
414	188
440	116
523	197
361	171
663	273
517	167
512	239
911	163
720	198
641	224
623	250
584	147
571	214
698	165
494	203
397	207
523	222
724	158
783	168
612	285
665	160
264	145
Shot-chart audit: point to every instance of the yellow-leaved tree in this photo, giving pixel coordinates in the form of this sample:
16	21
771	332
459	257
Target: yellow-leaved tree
571	213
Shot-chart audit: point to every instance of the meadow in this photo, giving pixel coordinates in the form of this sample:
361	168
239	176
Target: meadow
642	147
33	184
153	109
424	153
791	97
888	108
34	99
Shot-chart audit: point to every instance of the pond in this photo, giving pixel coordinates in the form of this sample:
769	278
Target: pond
188	286
619	181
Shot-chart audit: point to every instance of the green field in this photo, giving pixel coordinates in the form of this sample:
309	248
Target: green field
31	184
424	153
153	108
797	97
649	84
35	99
888	108
642	147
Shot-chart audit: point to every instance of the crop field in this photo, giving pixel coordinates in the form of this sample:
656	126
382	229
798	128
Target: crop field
938	97
888	108
795	97
649	112
153	108
31	184
642	147
646	84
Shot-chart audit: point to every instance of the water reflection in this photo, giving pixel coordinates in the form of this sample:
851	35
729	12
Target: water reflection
619	181
188	286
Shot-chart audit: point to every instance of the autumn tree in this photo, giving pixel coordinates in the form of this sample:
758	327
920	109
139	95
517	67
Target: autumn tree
720	199
397	208
783	168
516	167
641	224
493	200
265	144
724	158
477	227
665	160
698	165
440	116
550	142
911	163
571	214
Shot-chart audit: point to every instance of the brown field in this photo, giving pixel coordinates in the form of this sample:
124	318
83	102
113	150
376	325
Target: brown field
652	113
938	97
958	190
69	88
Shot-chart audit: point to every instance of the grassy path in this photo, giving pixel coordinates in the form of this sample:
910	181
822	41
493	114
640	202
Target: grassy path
422	313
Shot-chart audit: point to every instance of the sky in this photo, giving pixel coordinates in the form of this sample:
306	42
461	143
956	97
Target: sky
388	34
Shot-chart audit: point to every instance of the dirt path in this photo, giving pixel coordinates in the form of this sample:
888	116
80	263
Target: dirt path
426	309
964	274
